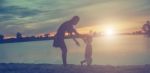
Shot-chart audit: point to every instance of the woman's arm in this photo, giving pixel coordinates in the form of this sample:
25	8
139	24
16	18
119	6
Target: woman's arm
74	39
73	33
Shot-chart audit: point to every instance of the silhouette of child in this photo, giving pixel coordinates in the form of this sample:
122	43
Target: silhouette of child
88	50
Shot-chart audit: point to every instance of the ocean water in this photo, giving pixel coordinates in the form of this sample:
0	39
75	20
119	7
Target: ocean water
107	50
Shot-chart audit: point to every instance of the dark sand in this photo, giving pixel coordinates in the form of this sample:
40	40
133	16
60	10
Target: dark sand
54	68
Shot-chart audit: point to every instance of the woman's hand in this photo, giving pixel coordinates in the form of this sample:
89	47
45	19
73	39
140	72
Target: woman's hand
77	43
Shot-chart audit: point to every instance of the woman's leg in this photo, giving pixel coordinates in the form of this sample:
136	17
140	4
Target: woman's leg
64	55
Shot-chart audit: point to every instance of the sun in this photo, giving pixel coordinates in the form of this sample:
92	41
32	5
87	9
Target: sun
109	31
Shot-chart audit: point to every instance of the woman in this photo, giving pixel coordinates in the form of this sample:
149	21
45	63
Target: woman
66	27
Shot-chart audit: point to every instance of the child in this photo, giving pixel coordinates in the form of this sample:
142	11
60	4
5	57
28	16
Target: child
88	50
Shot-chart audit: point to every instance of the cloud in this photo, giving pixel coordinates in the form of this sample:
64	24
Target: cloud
1	2
37	16
43	15
12	12
5	17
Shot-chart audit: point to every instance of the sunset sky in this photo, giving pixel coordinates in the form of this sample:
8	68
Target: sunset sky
32	17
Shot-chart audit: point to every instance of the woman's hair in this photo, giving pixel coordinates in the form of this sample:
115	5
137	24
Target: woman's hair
147	21
75	19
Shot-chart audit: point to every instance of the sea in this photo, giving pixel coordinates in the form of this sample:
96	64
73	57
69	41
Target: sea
106	50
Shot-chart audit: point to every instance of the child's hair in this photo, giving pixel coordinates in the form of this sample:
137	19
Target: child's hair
87	39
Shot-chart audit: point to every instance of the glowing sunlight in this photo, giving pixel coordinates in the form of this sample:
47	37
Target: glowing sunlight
109	31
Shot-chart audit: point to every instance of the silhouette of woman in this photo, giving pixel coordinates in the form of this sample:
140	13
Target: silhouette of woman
68	27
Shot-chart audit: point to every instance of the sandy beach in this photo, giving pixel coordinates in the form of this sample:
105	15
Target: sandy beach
54	68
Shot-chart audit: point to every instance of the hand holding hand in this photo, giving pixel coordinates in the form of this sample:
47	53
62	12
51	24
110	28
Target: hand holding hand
77	43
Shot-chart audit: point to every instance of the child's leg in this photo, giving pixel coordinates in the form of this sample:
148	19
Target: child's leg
82	62
89	61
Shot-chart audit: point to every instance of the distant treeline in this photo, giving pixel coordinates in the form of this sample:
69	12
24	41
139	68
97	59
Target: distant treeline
19	37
